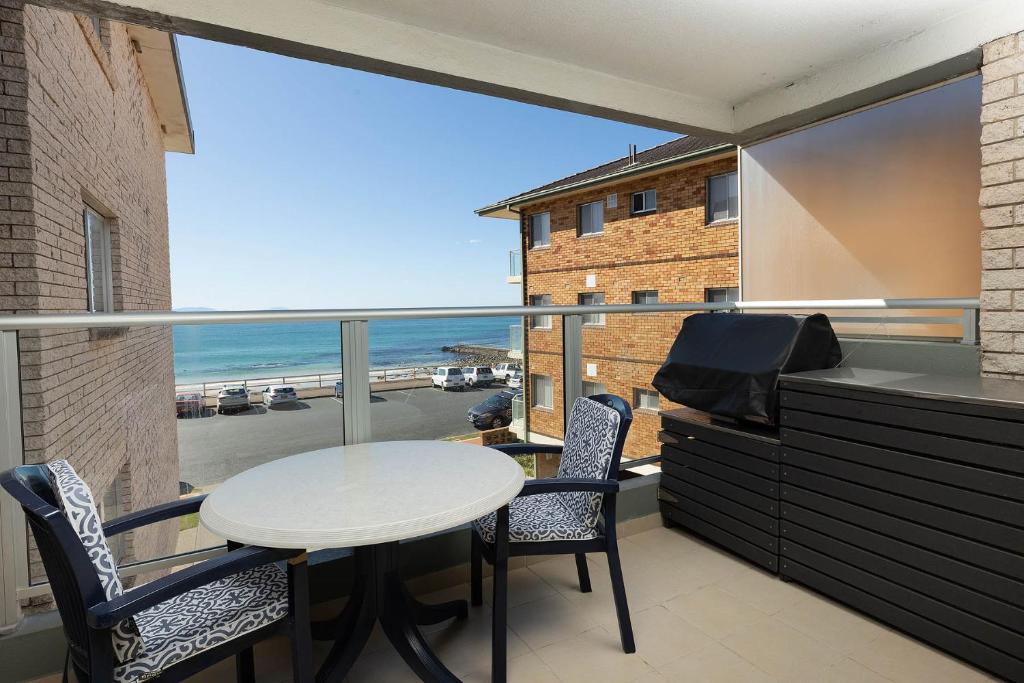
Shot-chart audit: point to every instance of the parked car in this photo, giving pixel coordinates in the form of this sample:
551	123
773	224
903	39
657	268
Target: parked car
515	380
502	371
495	411
279	395
232	399
339	389
448	378
188	403
478	376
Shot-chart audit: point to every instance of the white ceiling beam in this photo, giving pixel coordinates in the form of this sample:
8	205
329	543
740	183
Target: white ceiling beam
317	30
933	54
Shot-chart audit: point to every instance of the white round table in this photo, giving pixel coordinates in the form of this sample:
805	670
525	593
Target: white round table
369	497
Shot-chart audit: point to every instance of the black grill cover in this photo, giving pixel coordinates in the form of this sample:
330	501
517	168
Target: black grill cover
728	364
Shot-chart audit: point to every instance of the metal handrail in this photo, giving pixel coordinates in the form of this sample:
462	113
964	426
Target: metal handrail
42	321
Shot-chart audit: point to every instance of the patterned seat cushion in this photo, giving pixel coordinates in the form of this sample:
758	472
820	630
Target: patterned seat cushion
570	516
545	517
76	502
208	616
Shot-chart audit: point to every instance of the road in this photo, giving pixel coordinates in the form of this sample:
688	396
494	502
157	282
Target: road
215	447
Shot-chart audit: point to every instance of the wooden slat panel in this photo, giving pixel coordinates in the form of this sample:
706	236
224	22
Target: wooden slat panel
763	504
721	435
968	452
969	502
765	487
975	478
963	630
723	456
736	527
967	550
767	524
993	660
723	538
1007	595
956	425
993	621
953	522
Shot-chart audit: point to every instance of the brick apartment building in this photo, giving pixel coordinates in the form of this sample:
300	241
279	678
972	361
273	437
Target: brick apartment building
640	229
89	109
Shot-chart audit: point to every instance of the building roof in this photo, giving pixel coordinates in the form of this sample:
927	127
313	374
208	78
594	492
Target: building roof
680	150
158	58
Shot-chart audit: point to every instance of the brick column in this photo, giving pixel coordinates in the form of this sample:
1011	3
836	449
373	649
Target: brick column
1002	208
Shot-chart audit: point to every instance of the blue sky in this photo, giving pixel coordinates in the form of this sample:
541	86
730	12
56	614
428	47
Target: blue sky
314	186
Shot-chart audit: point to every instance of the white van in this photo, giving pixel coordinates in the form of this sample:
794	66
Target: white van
478	376
448	378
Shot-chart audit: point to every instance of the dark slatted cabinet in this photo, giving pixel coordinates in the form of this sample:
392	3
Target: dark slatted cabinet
903	496
721	481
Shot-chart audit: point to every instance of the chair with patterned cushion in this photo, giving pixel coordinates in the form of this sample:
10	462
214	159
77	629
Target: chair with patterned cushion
174	626
571	514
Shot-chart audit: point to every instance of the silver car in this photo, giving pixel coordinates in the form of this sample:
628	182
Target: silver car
232	399
279	394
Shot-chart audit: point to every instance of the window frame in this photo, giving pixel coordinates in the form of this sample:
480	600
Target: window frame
708	215
579	219
91	216
639	392
592	319
597	385
644	292
534	377
643	195
531	239
535	319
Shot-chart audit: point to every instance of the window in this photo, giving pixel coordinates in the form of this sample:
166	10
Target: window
96	24
97	263
723	197
540	322
645	399
540	230
714	295
645	296
594	299
542	391
594	388
644	202
110	509
591	218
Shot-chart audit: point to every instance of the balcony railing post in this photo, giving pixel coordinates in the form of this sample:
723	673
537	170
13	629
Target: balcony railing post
971	332
355	372
13	547
572	361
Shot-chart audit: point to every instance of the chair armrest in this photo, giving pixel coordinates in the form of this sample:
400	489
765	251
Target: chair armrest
157	513
534	487
526	448
106	614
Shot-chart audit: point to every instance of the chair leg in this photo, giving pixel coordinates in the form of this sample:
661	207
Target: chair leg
245	666
499	605
299	626
476	576
583	571
619	592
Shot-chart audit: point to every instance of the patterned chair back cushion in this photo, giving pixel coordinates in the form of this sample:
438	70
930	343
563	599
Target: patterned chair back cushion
76	502
588	452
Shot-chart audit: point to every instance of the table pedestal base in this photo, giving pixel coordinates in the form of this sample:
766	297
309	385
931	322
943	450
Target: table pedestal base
380	595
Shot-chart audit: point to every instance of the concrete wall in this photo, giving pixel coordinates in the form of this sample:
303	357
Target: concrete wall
1002	208
672	251
79	126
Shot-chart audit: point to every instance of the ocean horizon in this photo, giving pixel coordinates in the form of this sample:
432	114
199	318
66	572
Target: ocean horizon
211	353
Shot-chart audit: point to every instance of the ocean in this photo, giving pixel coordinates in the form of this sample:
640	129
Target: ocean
204	353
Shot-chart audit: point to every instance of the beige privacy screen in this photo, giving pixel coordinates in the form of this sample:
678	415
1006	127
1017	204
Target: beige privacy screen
881	203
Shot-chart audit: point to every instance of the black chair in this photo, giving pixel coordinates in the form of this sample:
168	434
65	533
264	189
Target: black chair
573	513
170	628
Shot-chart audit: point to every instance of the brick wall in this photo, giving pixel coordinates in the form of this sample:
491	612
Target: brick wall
1002	208
672	251
79	126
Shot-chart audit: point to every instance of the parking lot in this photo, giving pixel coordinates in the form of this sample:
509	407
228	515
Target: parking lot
214	447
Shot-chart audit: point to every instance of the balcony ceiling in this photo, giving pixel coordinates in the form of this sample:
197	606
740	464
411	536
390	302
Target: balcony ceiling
737	70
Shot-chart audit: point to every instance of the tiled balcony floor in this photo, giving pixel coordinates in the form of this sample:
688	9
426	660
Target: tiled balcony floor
699	615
